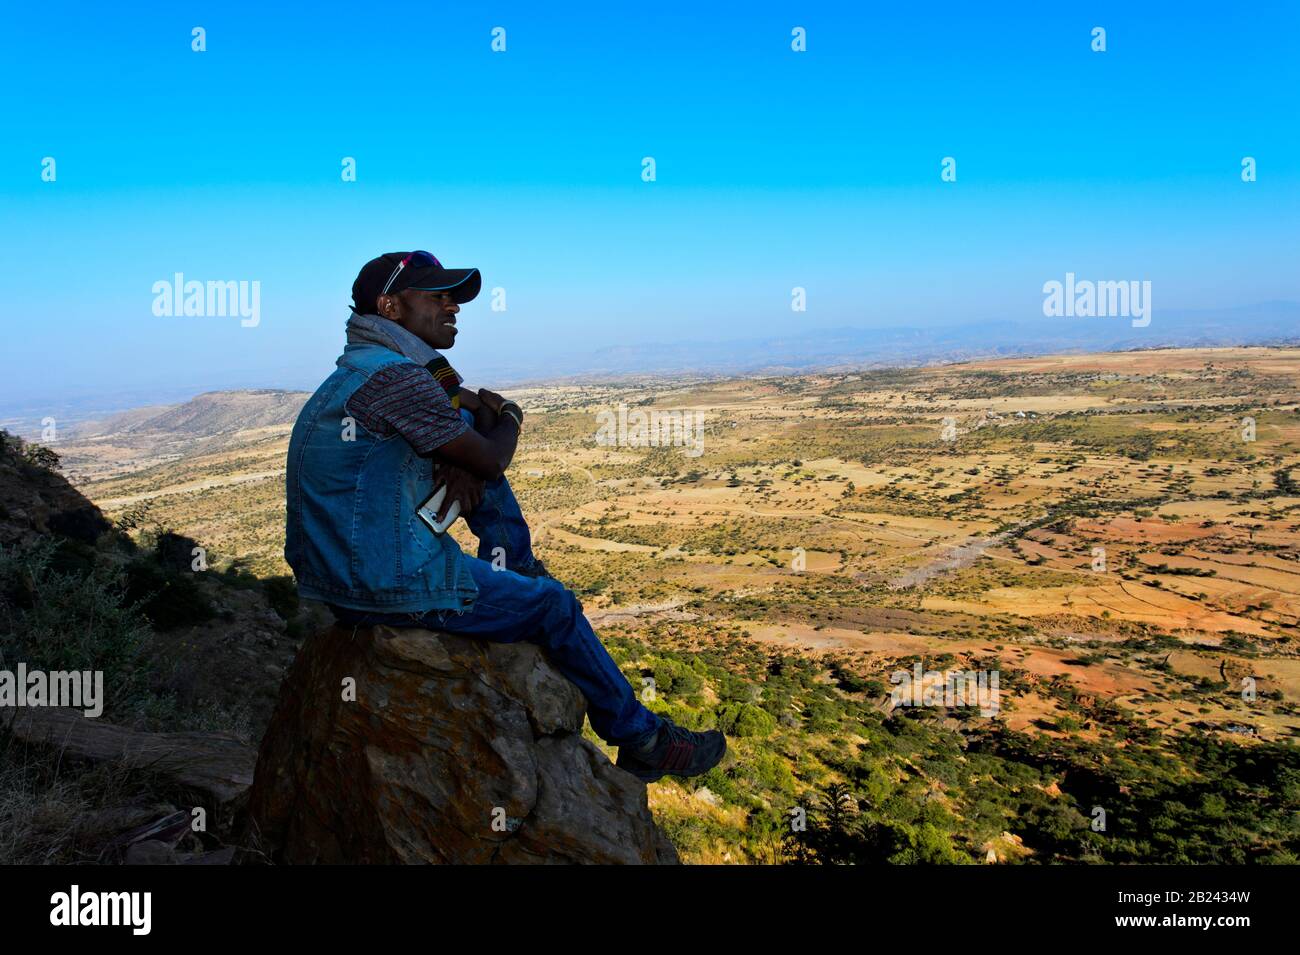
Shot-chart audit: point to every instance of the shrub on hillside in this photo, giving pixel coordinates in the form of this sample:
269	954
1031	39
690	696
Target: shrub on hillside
168	599
743	719
282	594
54	620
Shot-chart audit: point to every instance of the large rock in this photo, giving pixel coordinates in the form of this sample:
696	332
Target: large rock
452	751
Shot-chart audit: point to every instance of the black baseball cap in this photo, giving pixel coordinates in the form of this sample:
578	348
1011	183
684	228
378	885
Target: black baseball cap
396	271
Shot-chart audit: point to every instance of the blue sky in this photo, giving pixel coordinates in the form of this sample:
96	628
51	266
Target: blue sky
775	169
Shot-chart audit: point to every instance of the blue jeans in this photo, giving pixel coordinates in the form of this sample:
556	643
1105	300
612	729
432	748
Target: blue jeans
499	522
513	607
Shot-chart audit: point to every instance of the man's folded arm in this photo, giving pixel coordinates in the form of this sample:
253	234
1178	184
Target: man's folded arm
405	399
484	456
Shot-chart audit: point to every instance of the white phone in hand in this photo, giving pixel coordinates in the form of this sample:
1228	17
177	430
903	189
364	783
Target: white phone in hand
429	511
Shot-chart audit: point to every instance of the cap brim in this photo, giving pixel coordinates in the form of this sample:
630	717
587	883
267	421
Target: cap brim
464	284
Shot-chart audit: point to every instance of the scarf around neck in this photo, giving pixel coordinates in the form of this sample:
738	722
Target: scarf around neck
376	330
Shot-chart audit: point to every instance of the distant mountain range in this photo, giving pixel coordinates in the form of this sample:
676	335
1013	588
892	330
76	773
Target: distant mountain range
211	413
1268	323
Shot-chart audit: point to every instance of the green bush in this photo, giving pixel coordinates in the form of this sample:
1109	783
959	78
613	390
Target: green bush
52	620
168	600
744	719
671	676
282	594
923	845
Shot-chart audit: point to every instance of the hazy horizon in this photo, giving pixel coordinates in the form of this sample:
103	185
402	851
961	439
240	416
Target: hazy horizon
1270	324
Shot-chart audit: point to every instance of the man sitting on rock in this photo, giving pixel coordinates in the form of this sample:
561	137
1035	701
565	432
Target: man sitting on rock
387	429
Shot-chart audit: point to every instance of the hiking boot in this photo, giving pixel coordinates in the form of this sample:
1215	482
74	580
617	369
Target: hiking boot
673	752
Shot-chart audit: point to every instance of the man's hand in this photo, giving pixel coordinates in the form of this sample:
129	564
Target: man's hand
485	419
490	398
487	449
461	486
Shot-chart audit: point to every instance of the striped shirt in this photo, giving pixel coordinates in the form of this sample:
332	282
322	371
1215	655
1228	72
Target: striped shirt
406	399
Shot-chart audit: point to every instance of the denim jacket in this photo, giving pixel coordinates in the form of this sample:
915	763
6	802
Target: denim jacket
352	535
